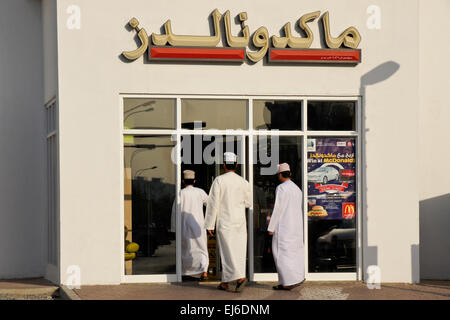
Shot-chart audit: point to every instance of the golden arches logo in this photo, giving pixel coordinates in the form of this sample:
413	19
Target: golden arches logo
348	210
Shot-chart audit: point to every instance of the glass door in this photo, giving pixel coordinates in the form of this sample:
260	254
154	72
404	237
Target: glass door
277	138
289	150
207	167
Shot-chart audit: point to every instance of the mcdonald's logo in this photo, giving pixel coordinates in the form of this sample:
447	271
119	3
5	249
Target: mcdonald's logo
348	210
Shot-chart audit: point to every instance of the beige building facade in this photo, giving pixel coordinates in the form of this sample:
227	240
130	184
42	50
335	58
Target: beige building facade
79	92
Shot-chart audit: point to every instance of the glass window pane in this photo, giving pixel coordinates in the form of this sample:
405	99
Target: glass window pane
149	194
332	204
277	114
264	184
331	115
213	114
145	113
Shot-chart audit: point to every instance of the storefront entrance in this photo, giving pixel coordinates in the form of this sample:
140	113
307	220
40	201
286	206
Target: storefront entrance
206	169
319	138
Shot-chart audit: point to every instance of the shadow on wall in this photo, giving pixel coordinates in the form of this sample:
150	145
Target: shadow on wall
379	74
23	191
434	238
415	263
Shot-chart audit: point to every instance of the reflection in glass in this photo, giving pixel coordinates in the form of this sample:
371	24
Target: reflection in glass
148	113
209	162
277	114
290	151
149	194
332	204
331	115
213	114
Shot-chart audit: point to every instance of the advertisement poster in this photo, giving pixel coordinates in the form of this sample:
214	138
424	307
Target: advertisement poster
331	178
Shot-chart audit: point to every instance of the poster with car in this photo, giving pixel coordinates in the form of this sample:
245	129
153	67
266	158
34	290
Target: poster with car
331	178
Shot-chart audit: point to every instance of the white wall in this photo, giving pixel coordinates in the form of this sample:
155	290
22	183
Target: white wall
92	75
22	141
434	140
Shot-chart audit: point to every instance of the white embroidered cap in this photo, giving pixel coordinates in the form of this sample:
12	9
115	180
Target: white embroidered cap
283	167
188	174
229	157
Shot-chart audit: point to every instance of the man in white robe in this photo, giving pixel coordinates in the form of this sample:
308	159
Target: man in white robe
194	247
225	211
286	226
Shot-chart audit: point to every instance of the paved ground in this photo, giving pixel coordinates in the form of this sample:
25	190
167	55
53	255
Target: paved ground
426	290
27	289
40	289
25	297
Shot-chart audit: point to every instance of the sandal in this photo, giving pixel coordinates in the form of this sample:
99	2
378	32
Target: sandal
240	285
287	288
221	287
280	287
297	285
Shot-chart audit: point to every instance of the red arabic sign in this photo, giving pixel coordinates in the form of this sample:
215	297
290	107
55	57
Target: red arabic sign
197	54
315	55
